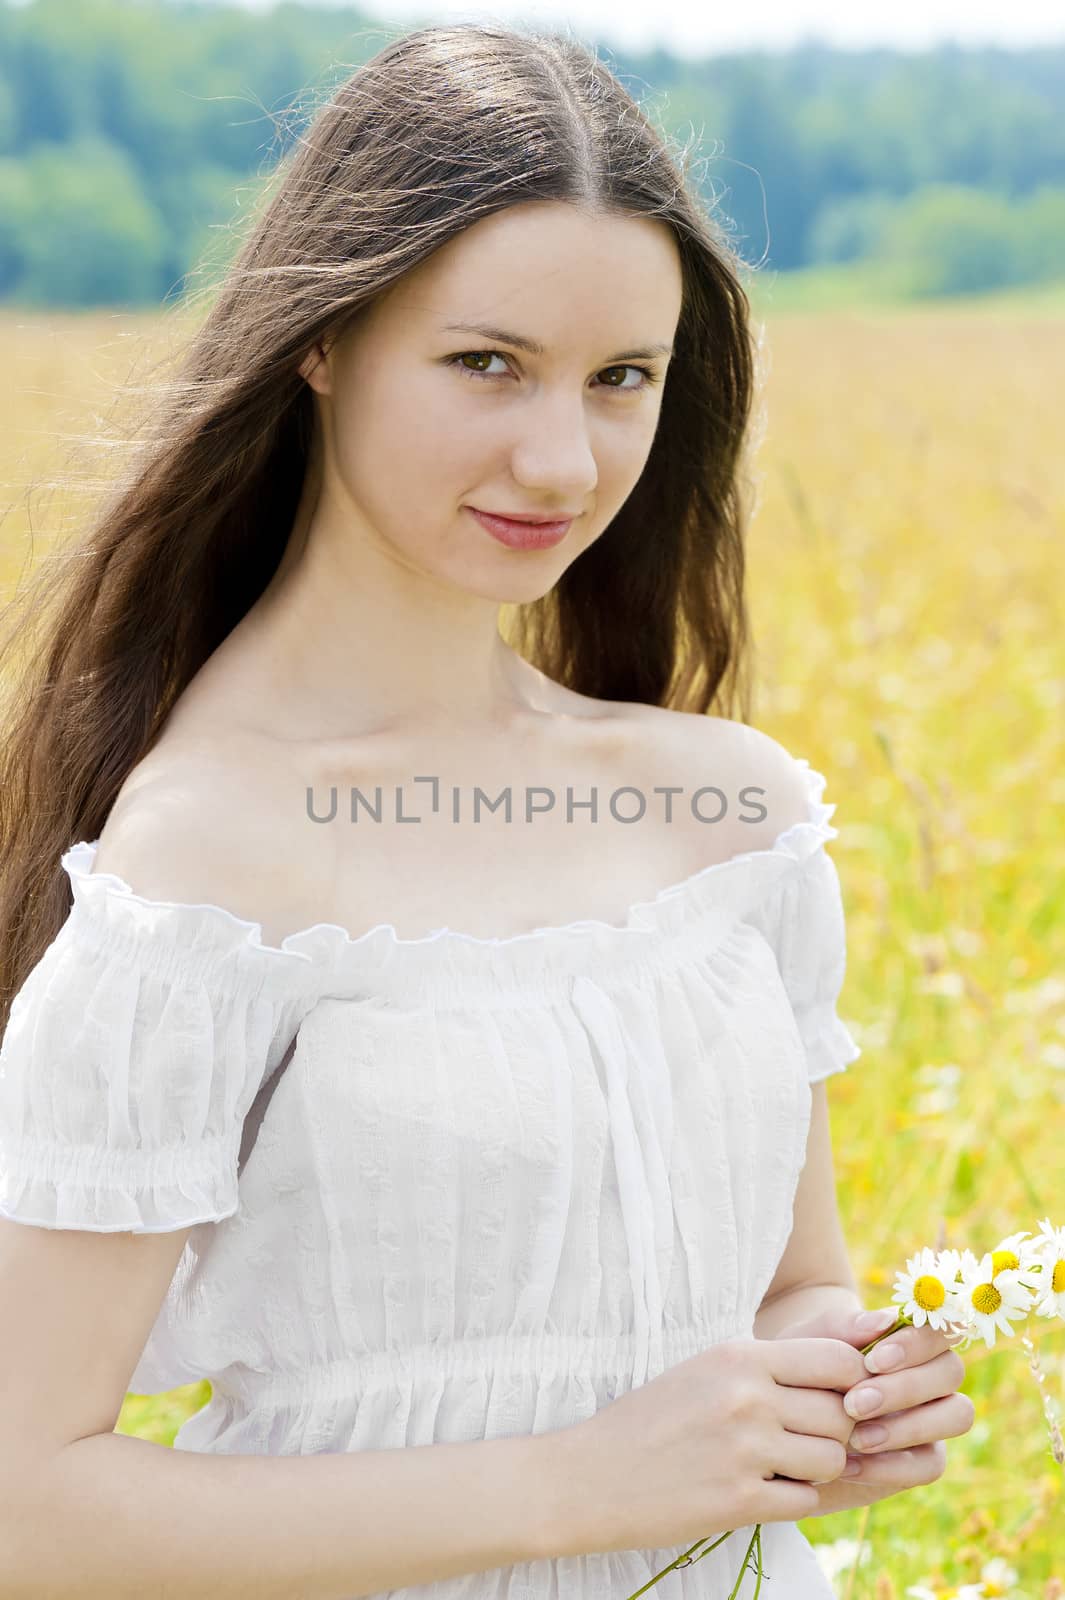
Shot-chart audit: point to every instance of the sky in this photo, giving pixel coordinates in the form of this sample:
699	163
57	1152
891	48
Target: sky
694	27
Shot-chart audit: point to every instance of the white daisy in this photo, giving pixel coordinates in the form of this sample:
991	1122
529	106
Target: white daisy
1049	1286
966	1259
987	1299
926	1290
956	1263
1016	1255
997	1577
965	1591
950	1264
839	1557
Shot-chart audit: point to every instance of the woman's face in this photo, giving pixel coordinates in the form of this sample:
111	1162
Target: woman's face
423	417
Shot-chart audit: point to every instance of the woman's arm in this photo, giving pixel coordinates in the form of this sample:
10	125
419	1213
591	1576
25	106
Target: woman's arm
814	1274
111	1517
813	1293
89	1512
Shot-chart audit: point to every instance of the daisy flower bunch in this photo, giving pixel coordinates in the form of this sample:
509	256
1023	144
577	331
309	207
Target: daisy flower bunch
978	1297
966	1297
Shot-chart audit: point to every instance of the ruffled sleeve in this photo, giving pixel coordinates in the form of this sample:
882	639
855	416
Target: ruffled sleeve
132	1054
802	917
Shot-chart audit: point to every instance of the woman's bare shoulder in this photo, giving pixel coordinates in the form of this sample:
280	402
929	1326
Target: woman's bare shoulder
749	767
200	821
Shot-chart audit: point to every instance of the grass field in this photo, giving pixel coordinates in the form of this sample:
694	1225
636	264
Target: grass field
869	287
907	593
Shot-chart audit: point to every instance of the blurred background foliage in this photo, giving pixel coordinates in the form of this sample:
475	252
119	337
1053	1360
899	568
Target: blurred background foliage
136	127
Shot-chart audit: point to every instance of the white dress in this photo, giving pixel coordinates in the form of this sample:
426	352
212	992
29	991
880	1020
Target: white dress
446	1188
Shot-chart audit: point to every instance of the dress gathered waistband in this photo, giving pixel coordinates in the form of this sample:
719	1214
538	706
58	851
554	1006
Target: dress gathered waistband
540	1355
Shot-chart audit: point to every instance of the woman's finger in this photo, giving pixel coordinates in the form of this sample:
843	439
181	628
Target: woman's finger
904	1430
912	1386
877	1476
902	1469
908	1347
813	1411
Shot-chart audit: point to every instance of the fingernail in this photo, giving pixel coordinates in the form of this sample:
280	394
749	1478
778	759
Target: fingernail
852	1469
868	1434
885	1358
860	1402
875	1321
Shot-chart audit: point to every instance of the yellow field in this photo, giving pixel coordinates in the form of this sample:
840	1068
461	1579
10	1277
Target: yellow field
907	591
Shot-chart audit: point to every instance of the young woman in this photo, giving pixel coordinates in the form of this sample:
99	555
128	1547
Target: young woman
478	1156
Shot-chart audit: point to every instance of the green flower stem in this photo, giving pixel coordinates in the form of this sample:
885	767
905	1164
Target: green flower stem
755	1544
687	1559
758	1561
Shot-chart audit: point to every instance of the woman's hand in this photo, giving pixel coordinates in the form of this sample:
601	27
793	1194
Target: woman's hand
915	1405
742	1432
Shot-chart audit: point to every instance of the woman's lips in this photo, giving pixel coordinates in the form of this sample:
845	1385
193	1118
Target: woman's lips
522	535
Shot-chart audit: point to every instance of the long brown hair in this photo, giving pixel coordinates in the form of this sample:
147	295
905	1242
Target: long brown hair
445	125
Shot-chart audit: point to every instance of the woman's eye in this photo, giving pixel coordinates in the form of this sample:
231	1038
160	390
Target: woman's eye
646	376
477	355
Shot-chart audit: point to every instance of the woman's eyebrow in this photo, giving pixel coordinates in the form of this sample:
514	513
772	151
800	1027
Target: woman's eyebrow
520	342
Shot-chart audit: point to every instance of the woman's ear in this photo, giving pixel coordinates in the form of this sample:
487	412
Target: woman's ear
315	369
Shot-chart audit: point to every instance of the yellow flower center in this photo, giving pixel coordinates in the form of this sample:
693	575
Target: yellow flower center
1004	1259
986	1298
929	1293
1057	1282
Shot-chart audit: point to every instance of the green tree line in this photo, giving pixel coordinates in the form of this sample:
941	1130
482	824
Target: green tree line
132	133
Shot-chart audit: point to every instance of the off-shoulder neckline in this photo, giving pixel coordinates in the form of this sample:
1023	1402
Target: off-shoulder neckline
672	909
